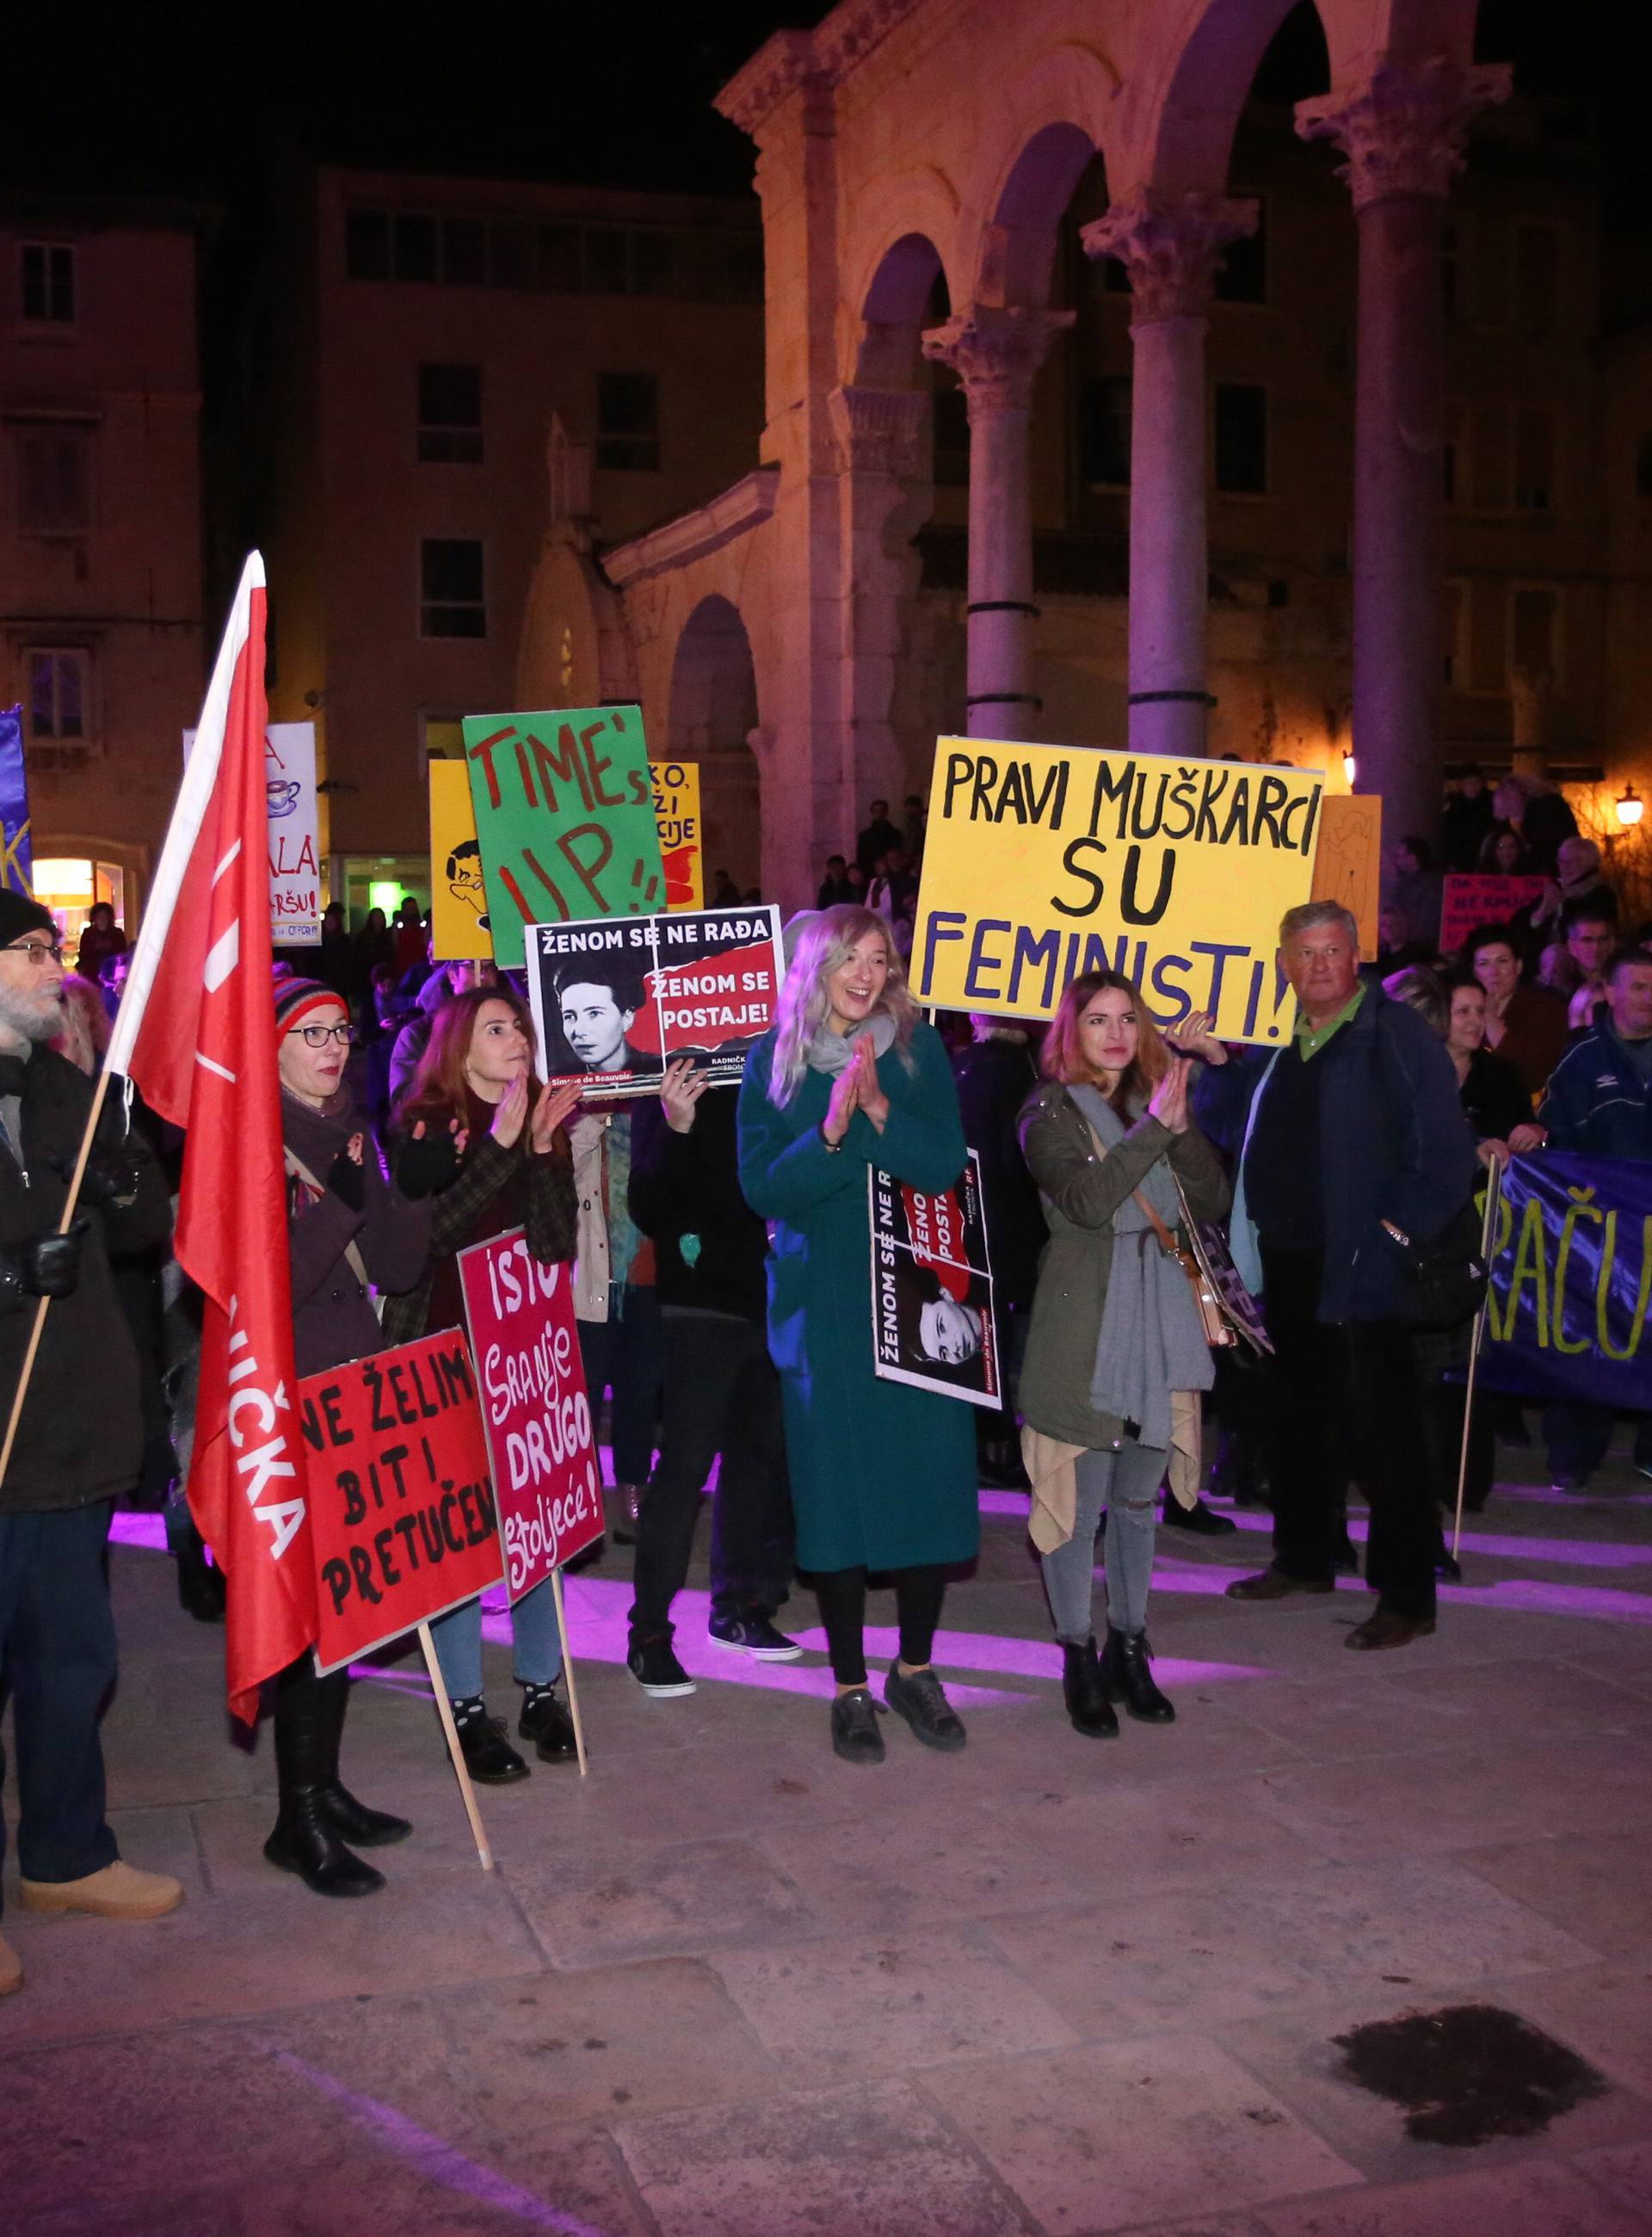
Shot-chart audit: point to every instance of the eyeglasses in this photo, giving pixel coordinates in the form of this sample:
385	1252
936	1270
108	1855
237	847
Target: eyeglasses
319	1036
38	949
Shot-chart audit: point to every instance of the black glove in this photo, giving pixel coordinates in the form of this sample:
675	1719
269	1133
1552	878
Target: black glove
349	1181
45	1266
111	1175
426	1166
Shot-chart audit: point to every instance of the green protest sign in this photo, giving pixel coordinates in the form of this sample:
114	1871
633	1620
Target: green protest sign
564	817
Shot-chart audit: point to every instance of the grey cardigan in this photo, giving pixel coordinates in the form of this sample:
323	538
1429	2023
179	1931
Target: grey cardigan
1081	1191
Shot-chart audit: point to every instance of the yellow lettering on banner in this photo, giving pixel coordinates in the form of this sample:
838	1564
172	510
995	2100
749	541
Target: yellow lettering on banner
1581	1206
1603	1288
1043	862
11	877
1529	1263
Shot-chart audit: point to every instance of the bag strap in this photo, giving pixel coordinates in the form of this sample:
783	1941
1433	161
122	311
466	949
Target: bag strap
1166	1240
300	1171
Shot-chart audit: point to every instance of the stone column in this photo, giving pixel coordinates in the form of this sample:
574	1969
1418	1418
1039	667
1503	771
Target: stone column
1170	246
879	434
1402	129
996	352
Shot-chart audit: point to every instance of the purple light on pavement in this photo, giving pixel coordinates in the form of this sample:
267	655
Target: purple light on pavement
148	1531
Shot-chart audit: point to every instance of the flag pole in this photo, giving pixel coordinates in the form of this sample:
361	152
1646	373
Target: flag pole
438	1686
568	1664
1493	1192
63	1226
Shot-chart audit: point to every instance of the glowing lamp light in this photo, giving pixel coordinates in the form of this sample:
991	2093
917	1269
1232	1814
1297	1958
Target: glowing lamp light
1348	767
1629	807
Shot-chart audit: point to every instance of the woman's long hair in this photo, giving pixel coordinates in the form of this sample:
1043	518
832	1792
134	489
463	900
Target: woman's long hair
824	947
1063	1058
437	1091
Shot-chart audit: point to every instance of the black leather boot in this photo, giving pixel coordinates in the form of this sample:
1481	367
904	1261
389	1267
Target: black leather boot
201	1587
1084	1691
304	1840
350	1820
1124	1669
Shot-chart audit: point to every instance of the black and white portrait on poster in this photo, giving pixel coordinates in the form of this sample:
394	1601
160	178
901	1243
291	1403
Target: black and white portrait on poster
932	1289
615	1001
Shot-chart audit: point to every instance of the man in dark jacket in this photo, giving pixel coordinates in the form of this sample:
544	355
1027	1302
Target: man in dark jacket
79	1439
722	1394
1356	1148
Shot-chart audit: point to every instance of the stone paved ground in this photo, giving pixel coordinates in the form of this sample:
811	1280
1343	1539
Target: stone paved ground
730	1988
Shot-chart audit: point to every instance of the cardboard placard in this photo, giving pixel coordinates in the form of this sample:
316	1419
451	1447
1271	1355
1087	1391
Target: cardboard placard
613	1004
565	816
536	1416
1469	899
1348	863
1044	862
294	843
401	1509
677	817
932	1288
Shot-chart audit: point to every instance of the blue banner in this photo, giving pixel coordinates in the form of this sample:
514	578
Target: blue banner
1571	1280
17	866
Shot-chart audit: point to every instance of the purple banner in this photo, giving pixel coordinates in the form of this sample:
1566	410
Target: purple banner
17	862
1571	1279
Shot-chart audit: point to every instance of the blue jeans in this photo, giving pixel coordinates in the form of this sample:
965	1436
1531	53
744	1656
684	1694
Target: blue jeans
57	1649
626	1355
536	1644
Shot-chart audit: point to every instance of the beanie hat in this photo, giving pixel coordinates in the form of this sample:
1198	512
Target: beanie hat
18	915
296	999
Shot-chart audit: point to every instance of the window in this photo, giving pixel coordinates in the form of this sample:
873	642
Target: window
1533	630
452	603
1490	464
1242	269
1240	446
606	262
1104	433
367	244
450	415
414	247
58	694
54	478
707	264
47	274
1534	459
559	260
1536	280
510	250
1455	637
951	410
628	422
464	253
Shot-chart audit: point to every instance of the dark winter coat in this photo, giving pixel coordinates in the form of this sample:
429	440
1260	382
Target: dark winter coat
1597	1102
685	1186
80	1436
994	1078
883	1474
332	1316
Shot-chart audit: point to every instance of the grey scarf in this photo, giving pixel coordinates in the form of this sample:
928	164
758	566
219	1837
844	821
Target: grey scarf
831	1052
1151	1341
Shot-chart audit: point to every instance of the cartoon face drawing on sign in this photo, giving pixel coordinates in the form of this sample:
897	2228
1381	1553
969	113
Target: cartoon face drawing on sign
465	879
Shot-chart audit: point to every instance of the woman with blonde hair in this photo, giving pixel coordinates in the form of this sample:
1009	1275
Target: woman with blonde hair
883	1473
1117	1348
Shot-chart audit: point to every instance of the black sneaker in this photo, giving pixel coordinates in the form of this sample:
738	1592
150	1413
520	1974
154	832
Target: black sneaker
656	1669
920	1701
489	1757
752	1634
855	1733
1203	1520
547	1724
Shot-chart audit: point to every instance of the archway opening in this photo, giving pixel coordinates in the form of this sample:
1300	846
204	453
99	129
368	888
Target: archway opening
712	713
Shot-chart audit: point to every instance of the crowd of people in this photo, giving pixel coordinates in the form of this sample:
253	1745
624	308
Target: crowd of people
721	1271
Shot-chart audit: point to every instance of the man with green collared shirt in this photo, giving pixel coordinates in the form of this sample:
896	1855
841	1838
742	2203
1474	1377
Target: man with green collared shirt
1356	1144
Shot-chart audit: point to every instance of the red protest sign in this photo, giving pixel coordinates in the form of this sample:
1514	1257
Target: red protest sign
401	1511
1470	899
535	1413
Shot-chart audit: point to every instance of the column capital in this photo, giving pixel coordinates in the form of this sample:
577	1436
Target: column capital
1401	126
995	352
880	431
1170	245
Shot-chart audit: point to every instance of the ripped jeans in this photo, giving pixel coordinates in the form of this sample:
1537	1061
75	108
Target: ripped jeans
1126	1483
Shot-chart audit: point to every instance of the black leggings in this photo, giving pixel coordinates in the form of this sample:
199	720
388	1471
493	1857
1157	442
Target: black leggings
842	1593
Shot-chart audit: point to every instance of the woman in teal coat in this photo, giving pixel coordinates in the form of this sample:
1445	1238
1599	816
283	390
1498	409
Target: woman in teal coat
883	1474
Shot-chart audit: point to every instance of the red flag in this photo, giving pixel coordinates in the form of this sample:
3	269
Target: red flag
196	1031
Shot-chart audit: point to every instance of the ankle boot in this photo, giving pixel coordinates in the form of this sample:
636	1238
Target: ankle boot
201	1588
1127	1678
303	1840
1085	1691
350	1820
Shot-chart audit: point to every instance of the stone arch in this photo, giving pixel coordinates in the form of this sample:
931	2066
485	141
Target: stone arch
1057	121
896	306
711	716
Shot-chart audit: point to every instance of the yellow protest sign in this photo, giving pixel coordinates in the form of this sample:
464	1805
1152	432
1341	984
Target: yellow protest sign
677	811
1348	866
457	902
1044	862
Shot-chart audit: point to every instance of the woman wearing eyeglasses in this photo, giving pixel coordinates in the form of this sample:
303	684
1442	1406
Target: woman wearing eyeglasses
349	1230
477	1134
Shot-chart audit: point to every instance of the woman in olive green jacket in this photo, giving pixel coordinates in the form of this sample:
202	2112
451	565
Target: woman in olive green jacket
1116	1353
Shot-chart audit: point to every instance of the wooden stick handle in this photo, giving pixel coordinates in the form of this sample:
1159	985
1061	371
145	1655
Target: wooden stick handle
1493	1193
439	1686
63	1225
568	1664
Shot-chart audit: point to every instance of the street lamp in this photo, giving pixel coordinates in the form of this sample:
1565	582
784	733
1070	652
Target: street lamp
1630	807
